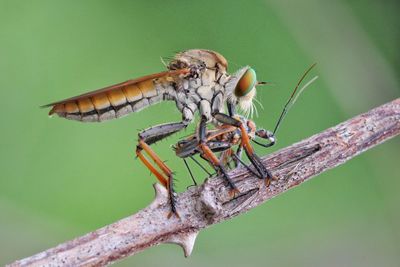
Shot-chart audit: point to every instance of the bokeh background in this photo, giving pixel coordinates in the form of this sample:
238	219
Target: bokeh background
60	179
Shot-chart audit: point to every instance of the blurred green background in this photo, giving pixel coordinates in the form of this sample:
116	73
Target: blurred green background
61	179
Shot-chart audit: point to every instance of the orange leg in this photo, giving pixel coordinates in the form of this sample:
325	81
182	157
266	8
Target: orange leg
207	154
255	160
167	171
166	179
159	168
150	166
226	156
215	162
246	139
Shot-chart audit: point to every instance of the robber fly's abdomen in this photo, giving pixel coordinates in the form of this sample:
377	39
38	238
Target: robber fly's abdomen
112	104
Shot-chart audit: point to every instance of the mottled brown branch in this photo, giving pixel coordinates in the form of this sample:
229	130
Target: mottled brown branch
202	206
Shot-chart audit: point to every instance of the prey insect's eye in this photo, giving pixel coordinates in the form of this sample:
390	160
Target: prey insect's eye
246	83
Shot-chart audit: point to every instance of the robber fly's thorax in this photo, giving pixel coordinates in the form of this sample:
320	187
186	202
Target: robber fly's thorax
202	89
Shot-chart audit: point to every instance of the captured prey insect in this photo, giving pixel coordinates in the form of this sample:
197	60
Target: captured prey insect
197	81
225	137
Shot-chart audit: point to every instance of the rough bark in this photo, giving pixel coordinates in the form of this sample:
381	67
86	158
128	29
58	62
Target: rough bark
210	203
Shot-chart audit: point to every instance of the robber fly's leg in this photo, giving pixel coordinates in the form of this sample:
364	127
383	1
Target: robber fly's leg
150	136
190	172
207	154
254	159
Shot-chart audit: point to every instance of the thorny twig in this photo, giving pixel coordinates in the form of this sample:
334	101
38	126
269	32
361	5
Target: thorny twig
202	206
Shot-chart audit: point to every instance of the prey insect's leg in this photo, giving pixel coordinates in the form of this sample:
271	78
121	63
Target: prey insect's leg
237	157
190	172
150	136
211	157
254	159
226	157
201	166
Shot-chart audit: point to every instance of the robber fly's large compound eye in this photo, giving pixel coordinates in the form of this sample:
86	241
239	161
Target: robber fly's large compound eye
246	83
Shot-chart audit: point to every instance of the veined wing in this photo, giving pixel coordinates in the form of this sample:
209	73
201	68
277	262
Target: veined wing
116	100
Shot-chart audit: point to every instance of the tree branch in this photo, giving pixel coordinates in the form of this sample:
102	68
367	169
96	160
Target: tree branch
202	206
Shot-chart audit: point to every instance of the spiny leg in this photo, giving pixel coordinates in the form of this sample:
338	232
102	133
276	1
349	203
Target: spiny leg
254	159
211	157
166	181
150	166
150	136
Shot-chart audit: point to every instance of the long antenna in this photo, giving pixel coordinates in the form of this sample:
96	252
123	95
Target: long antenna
292	98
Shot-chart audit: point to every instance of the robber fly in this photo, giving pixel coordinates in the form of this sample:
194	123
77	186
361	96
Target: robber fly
225	137
198	82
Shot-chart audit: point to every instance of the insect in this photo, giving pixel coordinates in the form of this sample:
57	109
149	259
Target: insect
198	82
222	140
225	137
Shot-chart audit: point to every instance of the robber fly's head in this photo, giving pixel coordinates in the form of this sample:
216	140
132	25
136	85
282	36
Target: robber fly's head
242	89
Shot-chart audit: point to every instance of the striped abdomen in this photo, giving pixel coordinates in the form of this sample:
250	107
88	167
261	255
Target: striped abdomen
116	101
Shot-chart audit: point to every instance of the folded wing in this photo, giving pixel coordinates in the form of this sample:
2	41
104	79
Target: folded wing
117	100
